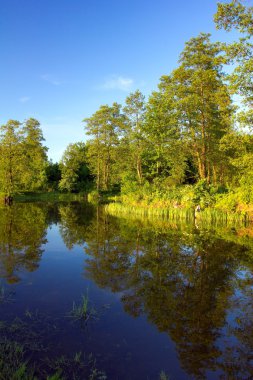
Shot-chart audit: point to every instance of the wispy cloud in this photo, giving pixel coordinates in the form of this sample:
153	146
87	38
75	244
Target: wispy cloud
51	79
24	99
117	82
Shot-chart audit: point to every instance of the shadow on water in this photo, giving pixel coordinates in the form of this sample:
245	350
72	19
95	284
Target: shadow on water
186	287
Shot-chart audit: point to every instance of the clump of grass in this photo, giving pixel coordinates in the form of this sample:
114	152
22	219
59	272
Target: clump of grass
12	363
164	376
118	209
208	216
82	311
26	354
80	366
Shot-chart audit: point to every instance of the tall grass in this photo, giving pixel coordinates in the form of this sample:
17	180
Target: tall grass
164	213
208	216
221	217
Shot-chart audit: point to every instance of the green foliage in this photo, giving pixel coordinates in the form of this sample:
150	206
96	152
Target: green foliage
236	15
35	156
134	132
22	156
53	175
105	126
12	362
75	176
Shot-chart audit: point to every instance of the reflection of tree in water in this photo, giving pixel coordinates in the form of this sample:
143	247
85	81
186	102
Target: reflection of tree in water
237	359
22	232
183	282
74	219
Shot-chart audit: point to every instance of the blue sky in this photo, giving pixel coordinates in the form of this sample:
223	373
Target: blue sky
62	59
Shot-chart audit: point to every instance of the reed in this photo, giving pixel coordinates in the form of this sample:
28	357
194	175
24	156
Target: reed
207	216
165	213
82	311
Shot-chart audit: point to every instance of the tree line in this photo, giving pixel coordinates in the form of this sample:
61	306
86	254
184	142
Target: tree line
24	164
192	128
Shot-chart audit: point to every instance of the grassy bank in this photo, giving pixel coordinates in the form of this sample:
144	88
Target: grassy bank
208	215
217	203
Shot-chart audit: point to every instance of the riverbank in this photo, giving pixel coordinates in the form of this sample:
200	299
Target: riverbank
215	202
177	203
207	215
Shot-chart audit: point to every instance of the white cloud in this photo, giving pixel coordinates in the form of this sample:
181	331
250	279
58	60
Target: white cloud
24	99
117	82
50	79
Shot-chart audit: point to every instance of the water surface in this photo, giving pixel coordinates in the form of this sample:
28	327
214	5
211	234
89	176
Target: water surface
168	298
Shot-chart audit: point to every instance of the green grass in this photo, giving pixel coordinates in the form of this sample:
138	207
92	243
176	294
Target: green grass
26	354
217	216
165	213
12	363
82	311
207	216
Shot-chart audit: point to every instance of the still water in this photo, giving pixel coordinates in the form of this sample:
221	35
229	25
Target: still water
163	300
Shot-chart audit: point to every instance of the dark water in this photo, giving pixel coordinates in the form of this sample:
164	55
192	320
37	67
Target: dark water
171	301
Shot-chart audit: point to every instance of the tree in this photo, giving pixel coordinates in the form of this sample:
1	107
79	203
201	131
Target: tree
203	103
135	113
163	133
11	157
105	127
74	170
35	156
234	15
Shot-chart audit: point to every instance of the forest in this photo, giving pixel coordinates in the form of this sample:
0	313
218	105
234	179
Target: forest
189	143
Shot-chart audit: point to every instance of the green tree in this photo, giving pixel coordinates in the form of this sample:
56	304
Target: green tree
235	15
35	156
105	127
11	157
163	133
135	113
203	103
74	170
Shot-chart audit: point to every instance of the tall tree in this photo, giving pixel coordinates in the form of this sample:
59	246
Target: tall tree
11	157
105	127
163	133
203	103
235	15
135	112
35	156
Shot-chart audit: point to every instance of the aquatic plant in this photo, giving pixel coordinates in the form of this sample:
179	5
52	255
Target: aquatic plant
78	367
207	216
163	376
12	362
25	353
82	311
165	213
